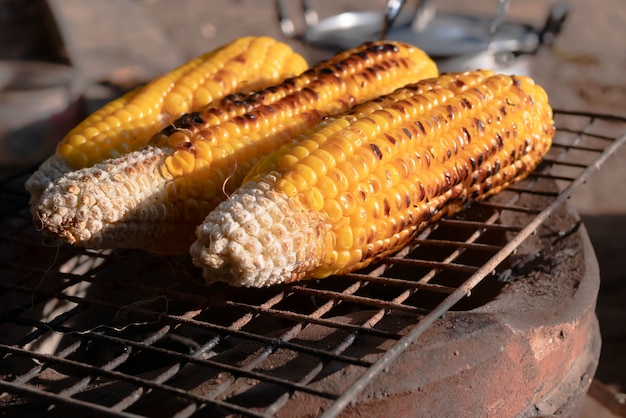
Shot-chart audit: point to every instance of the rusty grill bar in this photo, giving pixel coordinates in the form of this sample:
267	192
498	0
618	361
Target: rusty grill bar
126	334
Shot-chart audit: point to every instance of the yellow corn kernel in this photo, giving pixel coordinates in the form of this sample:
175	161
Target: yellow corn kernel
286	160
314	198
287	187
187	160
296	181
328	187
174	168
299	152
333	210
423	165
348	203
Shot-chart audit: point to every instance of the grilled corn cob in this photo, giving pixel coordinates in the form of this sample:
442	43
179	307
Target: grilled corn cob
155	198
128	123
360	187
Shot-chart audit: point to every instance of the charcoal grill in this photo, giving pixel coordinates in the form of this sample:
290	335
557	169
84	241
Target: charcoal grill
126	333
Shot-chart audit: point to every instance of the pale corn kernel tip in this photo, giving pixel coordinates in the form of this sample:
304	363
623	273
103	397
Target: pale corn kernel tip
280	242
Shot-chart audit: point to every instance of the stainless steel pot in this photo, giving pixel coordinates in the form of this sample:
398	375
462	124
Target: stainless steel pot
456	41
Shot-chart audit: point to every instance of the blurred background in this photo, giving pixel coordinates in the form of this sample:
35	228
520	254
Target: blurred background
62	59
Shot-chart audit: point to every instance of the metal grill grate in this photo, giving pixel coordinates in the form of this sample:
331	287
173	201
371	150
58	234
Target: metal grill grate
125	333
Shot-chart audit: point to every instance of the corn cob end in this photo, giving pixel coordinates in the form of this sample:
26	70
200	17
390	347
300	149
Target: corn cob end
259	237
54	167
90	206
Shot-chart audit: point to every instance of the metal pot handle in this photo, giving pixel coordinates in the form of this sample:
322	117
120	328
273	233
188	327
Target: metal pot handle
287	25
554	23
392	10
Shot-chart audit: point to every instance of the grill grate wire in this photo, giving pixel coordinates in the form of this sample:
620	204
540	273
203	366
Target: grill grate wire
115	333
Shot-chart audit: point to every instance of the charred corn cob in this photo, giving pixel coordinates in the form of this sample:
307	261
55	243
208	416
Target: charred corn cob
360	187
128	123
155	198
